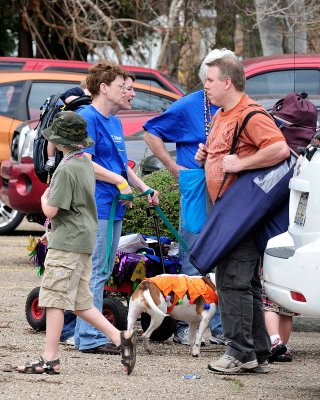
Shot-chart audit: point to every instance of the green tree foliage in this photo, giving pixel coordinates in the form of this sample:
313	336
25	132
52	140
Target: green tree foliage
136	220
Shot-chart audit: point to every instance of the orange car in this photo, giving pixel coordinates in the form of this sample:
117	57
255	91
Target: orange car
23	93
21	96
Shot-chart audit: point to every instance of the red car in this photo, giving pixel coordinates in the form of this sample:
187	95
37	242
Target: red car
270	76
147	76
282	74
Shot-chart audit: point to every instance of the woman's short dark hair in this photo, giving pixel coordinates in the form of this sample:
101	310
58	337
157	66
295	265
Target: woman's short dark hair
103	72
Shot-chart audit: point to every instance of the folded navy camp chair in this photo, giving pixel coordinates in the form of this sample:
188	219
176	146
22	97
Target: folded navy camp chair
274	225
253	197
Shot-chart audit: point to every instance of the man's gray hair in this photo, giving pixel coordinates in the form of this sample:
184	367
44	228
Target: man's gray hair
213	55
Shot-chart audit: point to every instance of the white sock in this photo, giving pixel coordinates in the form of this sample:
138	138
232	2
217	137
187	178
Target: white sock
51	161
274	338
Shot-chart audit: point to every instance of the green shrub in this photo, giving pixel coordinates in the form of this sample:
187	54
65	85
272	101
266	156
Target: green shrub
136	219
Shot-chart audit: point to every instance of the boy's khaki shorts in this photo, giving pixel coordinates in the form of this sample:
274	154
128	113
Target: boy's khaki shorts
66	281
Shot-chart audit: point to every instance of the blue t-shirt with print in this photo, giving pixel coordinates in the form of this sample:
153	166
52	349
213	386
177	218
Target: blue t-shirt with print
108	151
183	123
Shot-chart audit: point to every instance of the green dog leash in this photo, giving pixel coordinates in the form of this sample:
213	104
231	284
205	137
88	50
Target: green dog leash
131	197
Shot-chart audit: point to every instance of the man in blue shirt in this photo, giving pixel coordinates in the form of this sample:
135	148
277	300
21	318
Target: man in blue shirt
186	123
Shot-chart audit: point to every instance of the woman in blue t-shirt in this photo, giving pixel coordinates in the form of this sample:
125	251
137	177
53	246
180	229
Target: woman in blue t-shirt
111	90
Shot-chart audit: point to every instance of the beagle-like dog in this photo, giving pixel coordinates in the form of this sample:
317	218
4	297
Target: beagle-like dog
186	298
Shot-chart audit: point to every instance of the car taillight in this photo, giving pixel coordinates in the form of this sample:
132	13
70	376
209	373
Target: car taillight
298	297
131	164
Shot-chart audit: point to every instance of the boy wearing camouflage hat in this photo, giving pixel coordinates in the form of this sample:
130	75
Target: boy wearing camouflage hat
70	204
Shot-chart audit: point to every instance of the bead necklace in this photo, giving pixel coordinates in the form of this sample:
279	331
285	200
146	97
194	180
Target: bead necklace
71	154
207	114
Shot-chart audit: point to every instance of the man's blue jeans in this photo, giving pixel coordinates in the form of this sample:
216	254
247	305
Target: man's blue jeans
188	269
69	326
215	323
86	336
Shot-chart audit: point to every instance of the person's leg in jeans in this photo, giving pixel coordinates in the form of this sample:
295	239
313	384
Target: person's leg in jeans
86	336
69	326
182	328
217	336
215	323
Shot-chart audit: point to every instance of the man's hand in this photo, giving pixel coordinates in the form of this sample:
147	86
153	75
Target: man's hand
174	170
201	154
265	157
232	163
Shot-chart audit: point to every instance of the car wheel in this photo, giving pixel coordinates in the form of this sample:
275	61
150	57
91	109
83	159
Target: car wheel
10	219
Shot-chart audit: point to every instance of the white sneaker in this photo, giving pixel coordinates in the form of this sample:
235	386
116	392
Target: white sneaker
218	339
229	365
69	341
182	337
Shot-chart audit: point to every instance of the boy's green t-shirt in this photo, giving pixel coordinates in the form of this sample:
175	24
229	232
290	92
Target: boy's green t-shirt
72	191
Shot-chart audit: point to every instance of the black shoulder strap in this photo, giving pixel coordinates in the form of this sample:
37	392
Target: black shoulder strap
47	111
236	136
237	133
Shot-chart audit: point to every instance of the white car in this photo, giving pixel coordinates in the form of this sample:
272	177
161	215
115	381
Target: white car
291	266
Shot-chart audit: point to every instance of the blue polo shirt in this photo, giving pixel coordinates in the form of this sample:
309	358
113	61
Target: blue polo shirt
183	123
109	152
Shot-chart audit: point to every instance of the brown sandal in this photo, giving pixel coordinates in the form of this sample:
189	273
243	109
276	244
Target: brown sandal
47	367
128	351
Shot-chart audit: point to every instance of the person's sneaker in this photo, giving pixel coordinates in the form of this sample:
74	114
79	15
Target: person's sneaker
262	368
230	365
68	342
182	337
49	167
277	349
218	339
286	357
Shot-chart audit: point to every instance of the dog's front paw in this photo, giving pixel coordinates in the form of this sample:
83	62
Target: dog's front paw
195	351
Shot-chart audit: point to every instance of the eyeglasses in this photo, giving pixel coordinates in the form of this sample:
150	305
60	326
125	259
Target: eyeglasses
121	86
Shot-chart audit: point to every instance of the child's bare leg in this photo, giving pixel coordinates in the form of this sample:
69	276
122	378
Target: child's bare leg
272	322
285	327
51	150
128	351
54	325
94	317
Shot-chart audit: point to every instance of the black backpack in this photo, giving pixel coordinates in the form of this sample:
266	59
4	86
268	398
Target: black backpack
53	105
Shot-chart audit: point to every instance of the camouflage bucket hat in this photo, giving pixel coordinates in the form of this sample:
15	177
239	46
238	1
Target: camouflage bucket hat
68	129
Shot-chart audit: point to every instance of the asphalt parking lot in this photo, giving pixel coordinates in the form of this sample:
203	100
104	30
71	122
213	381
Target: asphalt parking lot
156	376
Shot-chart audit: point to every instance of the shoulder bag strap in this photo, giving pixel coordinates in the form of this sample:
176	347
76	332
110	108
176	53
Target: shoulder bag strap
236	136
